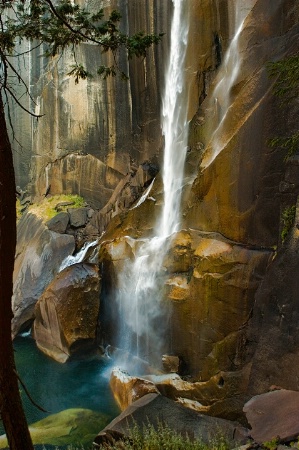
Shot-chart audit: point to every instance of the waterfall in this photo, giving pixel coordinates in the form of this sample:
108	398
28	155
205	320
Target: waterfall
174	121
221	98
80	256
142	317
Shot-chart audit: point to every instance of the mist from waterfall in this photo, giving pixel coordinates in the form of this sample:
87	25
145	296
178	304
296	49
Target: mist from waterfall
140	283
221	98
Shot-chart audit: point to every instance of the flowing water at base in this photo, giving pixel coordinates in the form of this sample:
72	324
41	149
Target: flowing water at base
56	387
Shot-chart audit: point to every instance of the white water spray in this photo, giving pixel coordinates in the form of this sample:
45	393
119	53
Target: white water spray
221	98
142	316
79	257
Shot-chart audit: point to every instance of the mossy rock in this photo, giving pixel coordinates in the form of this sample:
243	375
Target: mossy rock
46	209
72	426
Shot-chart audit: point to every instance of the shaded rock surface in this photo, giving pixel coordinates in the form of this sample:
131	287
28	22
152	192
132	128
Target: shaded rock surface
274	415
273	333
39	254
155	409
67	312
78	216
171	363
59	223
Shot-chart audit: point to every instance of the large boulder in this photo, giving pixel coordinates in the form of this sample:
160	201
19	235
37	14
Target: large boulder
273	415
65	428
59	222
39	255
155	409
67	312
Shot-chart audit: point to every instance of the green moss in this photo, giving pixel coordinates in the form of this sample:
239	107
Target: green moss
76	427
18	209
47	208
288	219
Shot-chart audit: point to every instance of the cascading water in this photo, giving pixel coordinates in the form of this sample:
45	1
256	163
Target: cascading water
140	282
221	98
80	256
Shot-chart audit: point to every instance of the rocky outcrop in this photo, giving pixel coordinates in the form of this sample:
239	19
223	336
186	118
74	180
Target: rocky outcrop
273	416
131	188
127	389
39	254
155	409
59	222
66	314
209	286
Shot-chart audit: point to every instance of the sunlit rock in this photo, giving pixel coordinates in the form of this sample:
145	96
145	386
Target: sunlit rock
220	396
127	389
211	298
67	312
237	192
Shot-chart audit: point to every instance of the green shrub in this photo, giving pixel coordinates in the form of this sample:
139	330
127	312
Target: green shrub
288	219
290	144
271	445
163	439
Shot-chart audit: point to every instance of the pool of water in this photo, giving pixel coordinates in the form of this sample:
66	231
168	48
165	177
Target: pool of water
55	386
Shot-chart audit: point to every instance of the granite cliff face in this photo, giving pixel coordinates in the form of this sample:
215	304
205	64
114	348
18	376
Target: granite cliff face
230	296
94	133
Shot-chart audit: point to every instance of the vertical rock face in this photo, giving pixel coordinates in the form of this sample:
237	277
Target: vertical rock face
237	192
275	324
92	134
96	130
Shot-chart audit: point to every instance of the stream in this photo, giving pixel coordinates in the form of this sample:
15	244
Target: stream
56	387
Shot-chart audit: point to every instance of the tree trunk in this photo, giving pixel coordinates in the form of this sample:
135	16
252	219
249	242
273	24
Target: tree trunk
11	409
